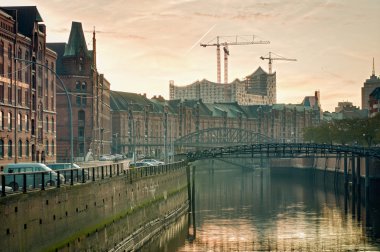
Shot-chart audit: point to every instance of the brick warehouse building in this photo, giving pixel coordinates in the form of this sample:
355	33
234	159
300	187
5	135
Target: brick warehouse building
27	91
89	96
149	127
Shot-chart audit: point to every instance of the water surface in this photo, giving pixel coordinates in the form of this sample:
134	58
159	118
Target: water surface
262	210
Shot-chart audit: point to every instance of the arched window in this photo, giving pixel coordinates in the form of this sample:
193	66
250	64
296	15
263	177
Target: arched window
19	148
52	125
9	121
19	121
1	120
77	85
47	147
52	147
84	86
81	115
27	148
9	52
10	147
26	122
40	111
1	148
47	124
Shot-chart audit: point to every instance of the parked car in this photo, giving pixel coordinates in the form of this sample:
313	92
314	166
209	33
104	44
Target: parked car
140	164
8	189
153	161
64	169
118	157
107	158
34	173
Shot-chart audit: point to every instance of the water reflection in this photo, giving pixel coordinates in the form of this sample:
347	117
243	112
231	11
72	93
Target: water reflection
239	210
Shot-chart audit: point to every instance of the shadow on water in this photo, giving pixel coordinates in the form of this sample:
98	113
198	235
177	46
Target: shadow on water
262	209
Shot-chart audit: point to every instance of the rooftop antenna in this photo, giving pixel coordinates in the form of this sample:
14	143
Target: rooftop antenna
373	66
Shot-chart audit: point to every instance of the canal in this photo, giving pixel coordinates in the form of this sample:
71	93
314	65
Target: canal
264	209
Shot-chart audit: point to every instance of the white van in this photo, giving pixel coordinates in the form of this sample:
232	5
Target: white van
34	172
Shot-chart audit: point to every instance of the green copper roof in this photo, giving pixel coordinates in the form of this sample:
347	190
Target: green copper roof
122	101
77	42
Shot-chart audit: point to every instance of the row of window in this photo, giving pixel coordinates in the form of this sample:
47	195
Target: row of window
23	122
26	68
23	147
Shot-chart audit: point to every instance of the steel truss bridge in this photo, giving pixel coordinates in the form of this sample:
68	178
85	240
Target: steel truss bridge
213	137
284	150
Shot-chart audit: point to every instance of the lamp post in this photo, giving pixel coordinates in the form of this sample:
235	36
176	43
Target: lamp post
68	102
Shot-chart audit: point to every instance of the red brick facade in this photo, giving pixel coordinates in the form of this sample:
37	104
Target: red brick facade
27	90
89	95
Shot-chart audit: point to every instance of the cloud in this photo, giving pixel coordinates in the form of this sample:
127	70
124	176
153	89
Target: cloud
59	30
207	15
252	16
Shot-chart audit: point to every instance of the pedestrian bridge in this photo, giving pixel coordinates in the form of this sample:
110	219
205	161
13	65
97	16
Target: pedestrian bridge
284	150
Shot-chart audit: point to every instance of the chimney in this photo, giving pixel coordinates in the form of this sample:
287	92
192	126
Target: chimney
94	49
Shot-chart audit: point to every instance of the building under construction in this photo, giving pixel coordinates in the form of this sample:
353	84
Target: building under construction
257	88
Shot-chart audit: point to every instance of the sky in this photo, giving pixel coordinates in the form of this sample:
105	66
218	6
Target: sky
143	44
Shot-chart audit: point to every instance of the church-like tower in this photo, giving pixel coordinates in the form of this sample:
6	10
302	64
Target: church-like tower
89	96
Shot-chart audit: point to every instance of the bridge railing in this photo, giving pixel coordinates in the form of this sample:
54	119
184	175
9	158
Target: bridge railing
24	182
291	150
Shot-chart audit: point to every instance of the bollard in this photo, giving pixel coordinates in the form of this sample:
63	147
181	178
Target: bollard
111	171
24	183
58	179
42	181
71	176
102	172
83	176
2	185
93	173
34	180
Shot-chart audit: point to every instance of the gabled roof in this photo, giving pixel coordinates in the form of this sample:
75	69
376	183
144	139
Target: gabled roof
26	16
232	110
76	42
120	101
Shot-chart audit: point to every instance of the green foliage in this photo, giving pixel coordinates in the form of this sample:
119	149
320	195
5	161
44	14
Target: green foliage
364	132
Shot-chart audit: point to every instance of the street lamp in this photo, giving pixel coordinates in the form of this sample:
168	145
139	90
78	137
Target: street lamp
68	102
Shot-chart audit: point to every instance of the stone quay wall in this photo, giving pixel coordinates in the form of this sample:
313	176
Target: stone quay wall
115	213
330	165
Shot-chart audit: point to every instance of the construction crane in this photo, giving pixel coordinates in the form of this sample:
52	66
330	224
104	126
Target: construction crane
226	41
270	58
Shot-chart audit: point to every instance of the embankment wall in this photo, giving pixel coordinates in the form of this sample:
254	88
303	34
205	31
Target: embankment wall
95	216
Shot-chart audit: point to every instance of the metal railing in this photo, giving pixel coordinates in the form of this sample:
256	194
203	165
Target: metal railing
283	150
24	182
